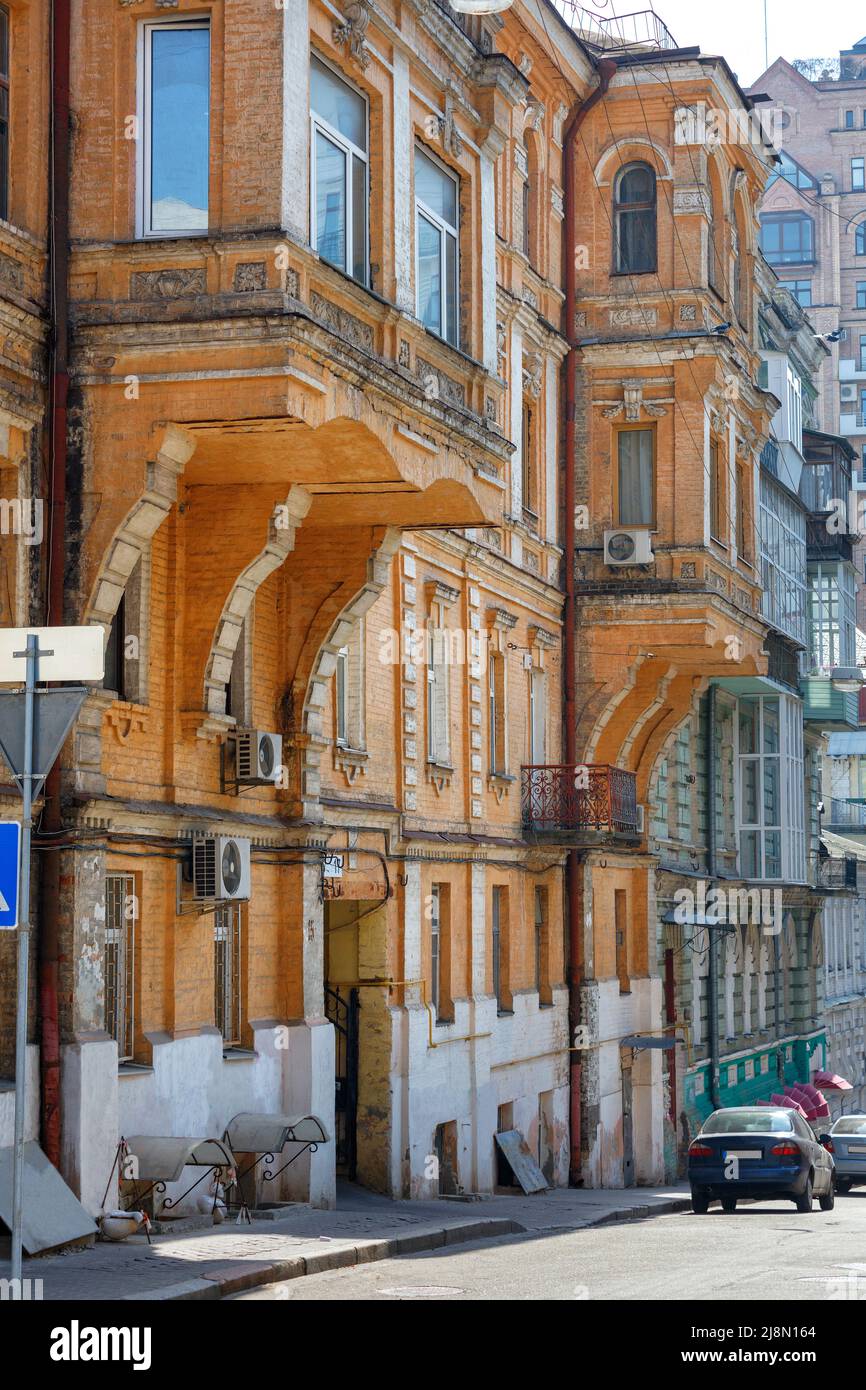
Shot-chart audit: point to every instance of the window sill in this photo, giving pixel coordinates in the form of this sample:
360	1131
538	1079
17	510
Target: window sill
239	1054
504	1013
134	1069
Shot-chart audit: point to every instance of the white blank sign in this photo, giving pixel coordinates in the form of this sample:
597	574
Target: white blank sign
77	653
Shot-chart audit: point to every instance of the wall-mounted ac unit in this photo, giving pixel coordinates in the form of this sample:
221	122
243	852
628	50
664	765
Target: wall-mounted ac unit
628	547
849	393
258	757
220	868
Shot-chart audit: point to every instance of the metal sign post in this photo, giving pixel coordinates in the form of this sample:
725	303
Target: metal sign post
48	717
32	655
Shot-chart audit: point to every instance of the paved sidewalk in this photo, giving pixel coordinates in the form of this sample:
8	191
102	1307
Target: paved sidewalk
215	1261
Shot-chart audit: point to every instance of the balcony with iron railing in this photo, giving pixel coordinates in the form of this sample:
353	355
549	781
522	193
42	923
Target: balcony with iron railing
837	873
638	32
586	804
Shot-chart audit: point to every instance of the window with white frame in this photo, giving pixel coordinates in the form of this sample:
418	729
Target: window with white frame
832	616
438	671
121	915
174	124
770	788
783	560
340	172
436	248
537	717
349	691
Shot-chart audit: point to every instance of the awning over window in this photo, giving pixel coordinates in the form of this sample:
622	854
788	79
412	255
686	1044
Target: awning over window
847	745
253	1133
163	1159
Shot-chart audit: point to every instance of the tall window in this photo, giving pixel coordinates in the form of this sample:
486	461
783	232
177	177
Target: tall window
620	920
862	367
436	247
718	511
227	972
832	616
860	240
801	290
340	683
114	677
496	713
542	949
529	445
849	120
634	208
744	513
340	172
788	238
635	482
434	948
438	670
499	949
537	717
861	294
121	914
858	174
440	952
175	124
4	112
770	800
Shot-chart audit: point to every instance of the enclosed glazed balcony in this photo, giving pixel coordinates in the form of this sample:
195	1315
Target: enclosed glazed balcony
579	805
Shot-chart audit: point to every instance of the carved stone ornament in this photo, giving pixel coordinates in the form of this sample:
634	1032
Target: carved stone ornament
633	404
633	318
532	373
534	115
171	283
354	31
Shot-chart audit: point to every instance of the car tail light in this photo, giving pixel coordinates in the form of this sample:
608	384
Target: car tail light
697	1150
785	1151
828	1145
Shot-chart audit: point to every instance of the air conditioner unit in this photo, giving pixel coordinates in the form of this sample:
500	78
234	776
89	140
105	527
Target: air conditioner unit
258	757
220	868
628	548
849	393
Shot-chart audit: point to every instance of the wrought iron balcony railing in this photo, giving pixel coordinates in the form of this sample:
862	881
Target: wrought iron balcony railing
837	873
593	798
617	33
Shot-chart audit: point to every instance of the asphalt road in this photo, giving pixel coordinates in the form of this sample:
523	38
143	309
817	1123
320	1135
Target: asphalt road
761	1251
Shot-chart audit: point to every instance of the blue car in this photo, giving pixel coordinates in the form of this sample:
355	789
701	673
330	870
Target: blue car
847	1144
756	1151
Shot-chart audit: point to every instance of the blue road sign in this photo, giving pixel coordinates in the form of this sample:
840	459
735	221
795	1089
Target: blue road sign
10	868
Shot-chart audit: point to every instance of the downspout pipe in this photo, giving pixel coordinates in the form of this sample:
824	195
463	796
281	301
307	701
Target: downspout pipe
49	906
712	943
578	114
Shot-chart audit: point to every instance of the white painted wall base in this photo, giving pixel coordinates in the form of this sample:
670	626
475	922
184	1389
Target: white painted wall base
7	1103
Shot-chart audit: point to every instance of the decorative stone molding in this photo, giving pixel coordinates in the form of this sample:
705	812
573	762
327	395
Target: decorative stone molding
492	537
529	296
688	313
540	637
500	620
249	276
11	274
559	122
633	318
524	67
450	135
126	719
521	163
352	762
533	371
353	32
534	115
557	201
439	592
282	528
343	323
688	201
633	405
500	784
448	390
440	775
174	282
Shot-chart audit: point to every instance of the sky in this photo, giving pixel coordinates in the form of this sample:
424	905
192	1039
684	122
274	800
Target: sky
735	28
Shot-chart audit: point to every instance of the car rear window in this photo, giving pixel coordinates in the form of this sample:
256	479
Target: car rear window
747	1122
850	1124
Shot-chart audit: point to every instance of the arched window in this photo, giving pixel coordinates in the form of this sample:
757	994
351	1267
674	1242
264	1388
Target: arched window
860	240
634	217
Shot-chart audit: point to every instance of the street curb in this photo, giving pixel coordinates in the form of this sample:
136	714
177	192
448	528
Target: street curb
222	1284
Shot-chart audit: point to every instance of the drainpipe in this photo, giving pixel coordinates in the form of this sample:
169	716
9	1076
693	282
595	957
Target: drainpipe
49	907
606	69
712	944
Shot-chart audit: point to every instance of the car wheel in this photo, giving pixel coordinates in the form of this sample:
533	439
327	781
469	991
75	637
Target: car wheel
843	1185
828	1201
804	1201
700	1202
729	1203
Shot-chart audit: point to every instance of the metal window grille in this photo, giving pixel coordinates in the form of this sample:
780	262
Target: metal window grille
227	973
121	912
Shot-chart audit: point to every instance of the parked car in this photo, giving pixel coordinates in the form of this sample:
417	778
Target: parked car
847	1144
756	1151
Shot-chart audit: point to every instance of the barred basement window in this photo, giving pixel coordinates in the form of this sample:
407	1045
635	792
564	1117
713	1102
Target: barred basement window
121	912
227	973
